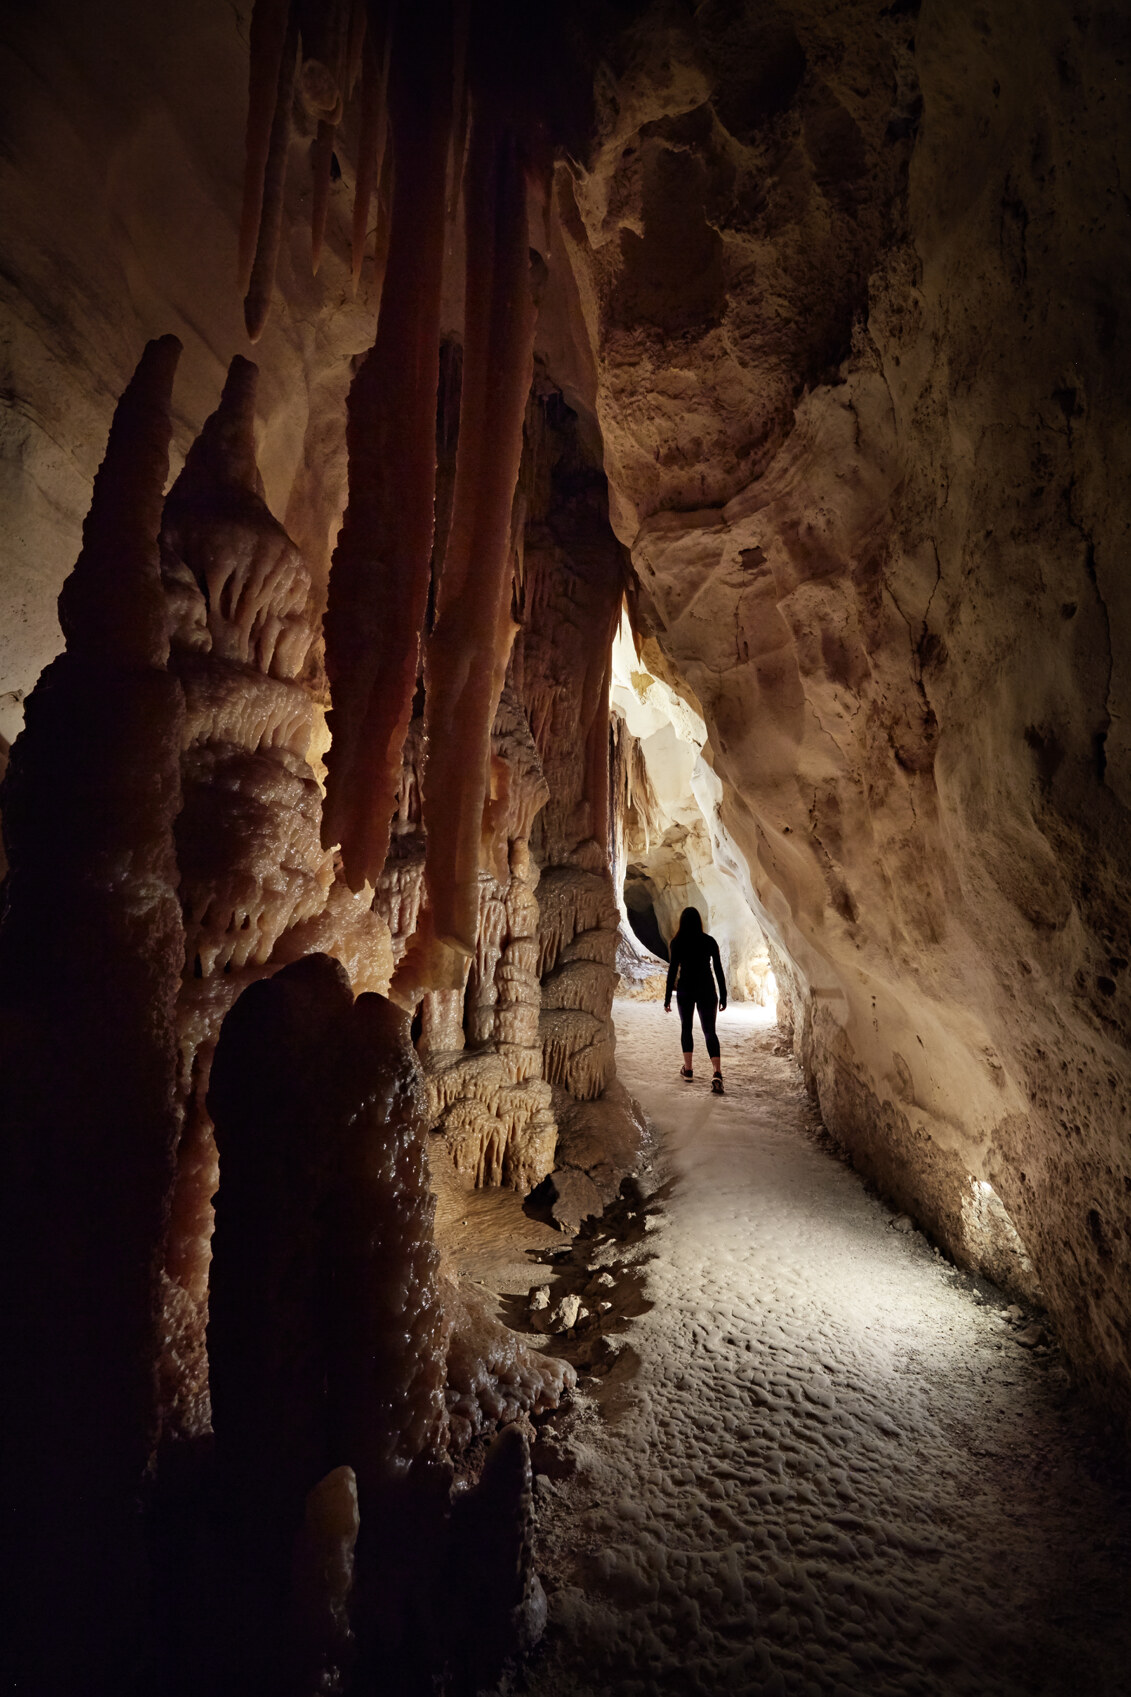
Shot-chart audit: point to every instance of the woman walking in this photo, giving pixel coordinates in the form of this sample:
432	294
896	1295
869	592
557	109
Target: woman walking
692	957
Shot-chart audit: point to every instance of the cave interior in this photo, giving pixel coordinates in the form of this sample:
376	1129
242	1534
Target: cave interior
478	480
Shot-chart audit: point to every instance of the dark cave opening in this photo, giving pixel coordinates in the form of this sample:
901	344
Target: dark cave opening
640	903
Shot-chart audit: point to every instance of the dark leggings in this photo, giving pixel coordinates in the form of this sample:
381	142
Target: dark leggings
707	1003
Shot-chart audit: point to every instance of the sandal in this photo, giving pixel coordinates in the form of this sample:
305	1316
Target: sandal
686	1072
717	1084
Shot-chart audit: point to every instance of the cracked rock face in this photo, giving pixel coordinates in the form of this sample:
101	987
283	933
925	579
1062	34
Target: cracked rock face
840	293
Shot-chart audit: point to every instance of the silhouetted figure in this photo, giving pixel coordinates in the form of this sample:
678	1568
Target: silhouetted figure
694	955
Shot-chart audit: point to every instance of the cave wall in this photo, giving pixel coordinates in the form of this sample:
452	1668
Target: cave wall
853	286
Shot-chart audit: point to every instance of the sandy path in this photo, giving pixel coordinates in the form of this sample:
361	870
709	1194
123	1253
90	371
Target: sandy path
824	1464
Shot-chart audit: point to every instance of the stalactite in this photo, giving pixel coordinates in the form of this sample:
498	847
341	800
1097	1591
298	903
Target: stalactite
257	300
372	134
355	44
90	956
462	659
269	21
380	577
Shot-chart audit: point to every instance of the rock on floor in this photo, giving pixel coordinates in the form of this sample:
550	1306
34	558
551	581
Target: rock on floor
822	1465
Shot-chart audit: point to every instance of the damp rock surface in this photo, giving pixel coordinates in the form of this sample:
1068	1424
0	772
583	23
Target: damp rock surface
818	1462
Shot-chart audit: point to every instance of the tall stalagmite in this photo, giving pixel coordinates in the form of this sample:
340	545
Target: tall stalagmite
329	1342
90	961
257	888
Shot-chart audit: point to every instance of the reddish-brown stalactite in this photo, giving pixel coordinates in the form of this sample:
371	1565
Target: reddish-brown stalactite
463	674
355	45
257	301
90	959
381	571
268	34
370	142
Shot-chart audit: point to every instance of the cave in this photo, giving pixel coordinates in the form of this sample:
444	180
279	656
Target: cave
478	481
640	904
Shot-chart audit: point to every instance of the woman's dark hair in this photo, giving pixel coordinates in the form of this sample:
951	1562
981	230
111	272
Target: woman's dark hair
691	922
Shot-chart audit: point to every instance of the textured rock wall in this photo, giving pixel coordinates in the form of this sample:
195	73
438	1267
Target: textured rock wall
861	375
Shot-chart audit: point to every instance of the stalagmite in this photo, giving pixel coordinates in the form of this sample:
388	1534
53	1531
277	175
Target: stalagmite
503	1606
463	661
387	1345
257	888
323	1571
334	1341
90	958
380	577
326	1336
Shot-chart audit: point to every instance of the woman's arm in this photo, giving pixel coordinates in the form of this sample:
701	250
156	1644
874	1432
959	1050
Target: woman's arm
716	962
673	968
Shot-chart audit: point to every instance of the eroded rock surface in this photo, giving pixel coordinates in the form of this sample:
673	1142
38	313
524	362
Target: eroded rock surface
851	301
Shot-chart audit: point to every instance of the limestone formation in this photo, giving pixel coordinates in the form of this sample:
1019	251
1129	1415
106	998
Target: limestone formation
334	1341
257	888
90	960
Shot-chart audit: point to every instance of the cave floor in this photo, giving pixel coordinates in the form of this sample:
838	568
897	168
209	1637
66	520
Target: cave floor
822	1463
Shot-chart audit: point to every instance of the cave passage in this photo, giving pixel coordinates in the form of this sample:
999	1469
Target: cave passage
825	1461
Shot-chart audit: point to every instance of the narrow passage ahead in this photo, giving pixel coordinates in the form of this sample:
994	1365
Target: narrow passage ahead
823	1464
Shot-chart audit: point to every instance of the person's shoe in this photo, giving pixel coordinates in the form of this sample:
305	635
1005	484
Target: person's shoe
686	1072
717	1084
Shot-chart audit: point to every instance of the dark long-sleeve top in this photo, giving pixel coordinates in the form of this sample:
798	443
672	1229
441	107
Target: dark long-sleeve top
690	961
